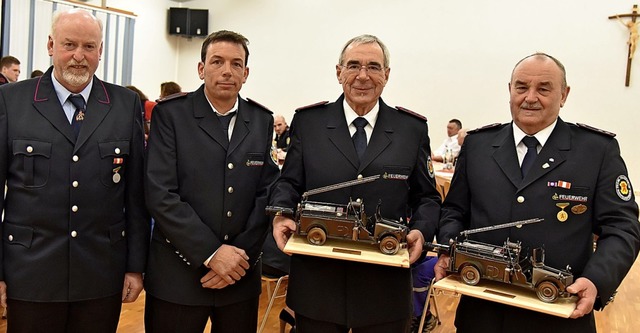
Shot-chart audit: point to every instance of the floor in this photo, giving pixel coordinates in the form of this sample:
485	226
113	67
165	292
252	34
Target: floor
621	316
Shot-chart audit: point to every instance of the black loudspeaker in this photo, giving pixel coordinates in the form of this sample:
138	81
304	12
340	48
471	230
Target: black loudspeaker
198	22
188	22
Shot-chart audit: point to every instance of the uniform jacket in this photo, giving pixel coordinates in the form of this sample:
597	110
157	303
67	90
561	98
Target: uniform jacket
580	171
322	153
282	141
71	229
204	191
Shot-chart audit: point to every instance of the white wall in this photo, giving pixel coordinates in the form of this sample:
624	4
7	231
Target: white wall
449	59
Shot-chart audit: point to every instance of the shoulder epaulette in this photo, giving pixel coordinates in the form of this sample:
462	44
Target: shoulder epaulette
597	130
412	113
171	97
311	106
259	105
479	129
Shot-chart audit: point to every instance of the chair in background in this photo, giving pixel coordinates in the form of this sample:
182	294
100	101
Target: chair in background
430	299
272	297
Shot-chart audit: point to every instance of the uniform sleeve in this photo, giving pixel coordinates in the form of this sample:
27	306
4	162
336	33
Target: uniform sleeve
4	160
616	225
138	221
424	199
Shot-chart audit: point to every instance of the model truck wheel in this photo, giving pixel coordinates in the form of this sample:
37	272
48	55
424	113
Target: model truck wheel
547	291
389	245
316	236
470	275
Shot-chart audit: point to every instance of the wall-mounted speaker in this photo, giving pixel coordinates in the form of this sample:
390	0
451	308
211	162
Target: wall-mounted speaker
188	22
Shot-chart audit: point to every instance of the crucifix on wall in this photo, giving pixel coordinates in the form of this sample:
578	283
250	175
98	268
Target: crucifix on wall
632	42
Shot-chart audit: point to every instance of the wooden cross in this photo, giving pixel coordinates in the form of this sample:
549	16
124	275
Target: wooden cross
633	37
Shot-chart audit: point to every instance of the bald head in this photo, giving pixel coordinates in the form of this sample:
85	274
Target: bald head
279	124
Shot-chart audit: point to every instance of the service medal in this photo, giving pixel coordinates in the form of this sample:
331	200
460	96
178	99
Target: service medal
116	176
562	215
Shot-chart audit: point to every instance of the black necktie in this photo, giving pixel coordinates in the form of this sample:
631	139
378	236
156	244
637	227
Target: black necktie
78	115
225	120
360	137
532	144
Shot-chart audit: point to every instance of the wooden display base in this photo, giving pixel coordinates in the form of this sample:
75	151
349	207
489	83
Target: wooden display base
347	250
509	295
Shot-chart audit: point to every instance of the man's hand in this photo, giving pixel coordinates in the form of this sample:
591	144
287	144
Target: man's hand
283	228
415	240
3	294
229	263
586	292
132	287
441	266
213	281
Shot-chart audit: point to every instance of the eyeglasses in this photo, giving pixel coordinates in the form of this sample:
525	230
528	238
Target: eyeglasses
355	68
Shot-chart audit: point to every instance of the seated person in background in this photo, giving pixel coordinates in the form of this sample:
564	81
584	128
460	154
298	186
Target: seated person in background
461	135
451	142
281	139
275	264
169	88
36	73
147	105
422	274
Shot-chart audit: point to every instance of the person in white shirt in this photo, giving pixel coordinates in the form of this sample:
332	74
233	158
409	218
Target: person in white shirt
451	142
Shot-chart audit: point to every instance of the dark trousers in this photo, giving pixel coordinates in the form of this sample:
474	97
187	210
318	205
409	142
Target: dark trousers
166	317
97	316
308	325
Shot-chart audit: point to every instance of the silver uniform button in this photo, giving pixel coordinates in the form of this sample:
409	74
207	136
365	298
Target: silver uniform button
230	189
123	233
167	239
117	151
358	200
74	183
359	176
29	149
75	158
226	237
229	214
520	199
230	166
74	208
10	238
74	234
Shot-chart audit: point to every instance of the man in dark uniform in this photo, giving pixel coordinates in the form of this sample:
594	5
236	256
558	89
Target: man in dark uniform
75	232
282	132
9	69
334	295
576	181
208	173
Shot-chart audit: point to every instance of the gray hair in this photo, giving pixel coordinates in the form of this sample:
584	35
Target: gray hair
366	39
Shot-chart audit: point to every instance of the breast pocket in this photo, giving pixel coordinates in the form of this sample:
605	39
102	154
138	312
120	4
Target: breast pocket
114	156
36	161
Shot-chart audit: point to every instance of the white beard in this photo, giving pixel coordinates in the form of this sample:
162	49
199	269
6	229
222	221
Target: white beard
75	80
